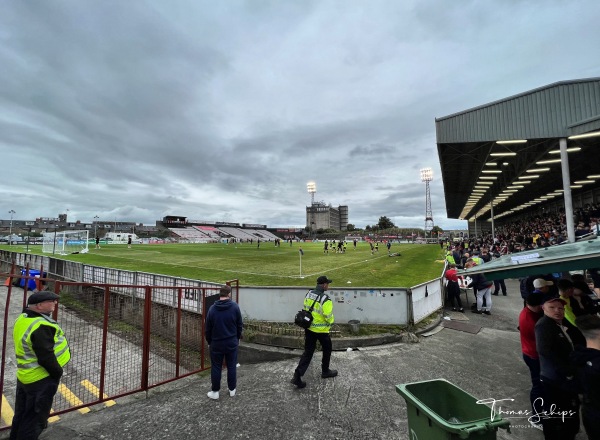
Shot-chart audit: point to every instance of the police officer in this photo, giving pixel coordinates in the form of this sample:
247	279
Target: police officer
42	351
318	331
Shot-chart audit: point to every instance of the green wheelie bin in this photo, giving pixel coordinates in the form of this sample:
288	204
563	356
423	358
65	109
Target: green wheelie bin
439	410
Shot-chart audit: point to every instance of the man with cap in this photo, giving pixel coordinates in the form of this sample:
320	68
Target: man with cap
42	351
543	286
318	331
555	340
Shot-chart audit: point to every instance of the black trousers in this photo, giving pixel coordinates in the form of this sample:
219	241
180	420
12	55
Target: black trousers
454	294
591	420
310	344
32	408
499	285
558	400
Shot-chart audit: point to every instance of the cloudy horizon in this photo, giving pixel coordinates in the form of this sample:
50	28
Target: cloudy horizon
132	111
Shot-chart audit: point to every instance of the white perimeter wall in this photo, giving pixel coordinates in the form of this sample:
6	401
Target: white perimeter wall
426	299
369	306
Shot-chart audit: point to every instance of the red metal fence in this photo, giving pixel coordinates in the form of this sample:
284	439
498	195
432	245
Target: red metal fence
123	338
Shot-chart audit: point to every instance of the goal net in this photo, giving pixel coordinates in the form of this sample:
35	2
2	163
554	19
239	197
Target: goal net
66	242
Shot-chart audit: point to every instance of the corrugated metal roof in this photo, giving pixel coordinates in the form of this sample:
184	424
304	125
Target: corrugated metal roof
546	112
467	139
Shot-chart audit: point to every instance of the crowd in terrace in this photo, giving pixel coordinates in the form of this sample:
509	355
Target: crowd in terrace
542	230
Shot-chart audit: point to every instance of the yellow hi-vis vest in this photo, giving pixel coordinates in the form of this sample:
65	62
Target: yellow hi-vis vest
322	311
28	369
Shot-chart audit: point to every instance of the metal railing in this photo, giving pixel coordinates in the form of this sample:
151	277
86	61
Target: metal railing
120	344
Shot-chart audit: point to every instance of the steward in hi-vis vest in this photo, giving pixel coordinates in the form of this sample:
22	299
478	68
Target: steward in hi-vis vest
42	351
322	311
322	314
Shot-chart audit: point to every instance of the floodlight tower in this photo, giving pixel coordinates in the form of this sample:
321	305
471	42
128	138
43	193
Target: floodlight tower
427	176
96	226
311	187
11	212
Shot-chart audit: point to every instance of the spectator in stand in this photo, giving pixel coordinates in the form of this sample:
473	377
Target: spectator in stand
581	230
555	340
529	316
595	276
588	362
453	288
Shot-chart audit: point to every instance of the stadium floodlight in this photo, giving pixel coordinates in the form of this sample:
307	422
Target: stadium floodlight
311	187
427	176
96	226
11	212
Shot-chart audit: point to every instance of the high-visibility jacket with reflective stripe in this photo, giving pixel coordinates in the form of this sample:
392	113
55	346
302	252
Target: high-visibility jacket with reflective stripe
28	369
322	312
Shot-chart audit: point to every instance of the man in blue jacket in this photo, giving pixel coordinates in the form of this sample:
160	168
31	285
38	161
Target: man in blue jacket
223	332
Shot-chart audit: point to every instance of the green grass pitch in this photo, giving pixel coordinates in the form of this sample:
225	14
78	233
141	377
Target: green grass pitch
270	265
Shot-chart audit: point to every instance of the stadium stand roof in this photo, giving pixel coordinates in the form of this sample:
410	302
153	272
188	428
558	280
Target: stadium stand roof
468	146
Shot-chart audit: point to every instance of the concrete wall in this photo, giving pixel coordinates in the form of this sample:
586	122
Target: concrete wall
369	306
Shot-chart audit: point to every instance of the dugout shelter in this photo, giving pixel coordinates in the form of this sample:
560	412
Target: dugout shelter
505	160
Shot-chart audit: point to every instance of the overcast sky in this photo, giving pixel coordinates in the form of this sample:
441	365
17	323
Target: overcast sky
223	111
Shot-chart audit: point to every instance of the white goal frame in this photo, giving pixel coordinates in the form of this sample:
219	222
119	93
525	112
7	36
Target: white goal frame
66	242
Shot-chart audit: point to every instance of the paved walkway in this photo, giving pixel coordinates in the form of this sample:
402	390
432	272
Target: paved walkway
360	403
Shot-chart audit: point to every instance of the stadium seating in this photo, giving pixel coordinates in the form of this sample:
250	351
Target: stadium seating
192	235
210	231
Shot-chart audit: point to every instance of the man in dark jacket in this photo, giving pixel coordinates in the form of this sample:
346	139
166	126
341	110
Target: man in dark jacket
223	332
555	340
588	361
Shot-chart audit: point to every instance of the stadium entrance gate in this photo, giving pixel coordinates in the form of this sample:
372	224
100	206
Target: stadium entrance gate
121	343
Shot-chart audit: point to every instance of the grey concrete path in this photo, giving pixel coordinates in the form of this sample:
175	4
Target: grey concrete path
360	403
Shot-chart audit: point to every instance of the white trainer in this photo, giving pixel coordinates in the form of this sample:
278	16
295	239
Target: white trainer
213	395
232	392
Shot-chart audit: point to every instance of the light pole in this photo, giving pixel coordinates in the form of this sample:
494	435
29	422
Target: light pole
311	187
96	226
427	176
11	212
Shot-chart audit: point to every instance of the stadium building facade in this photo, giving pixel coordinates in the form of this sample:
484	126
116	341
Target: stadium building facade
322	216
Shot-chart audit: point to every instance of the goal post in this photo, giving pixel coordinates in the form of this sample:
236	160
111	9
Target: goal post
66	242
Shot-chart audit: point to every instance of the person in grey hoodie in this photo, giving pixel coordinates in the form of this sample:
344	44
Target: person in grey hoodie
223	331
